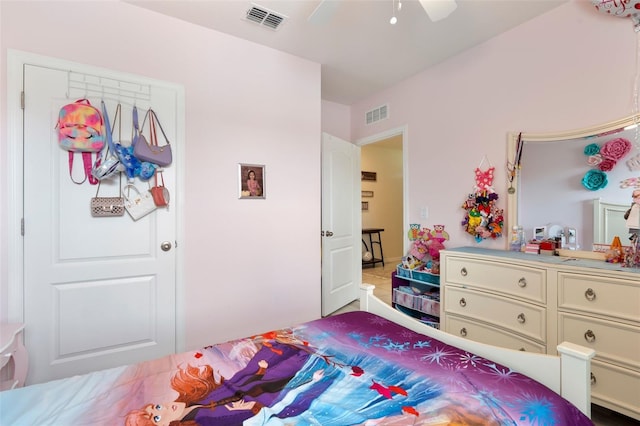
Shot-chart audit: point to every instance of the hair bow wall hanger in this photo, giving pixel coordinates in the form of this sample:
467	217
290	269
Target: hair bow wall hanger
484	179
483	218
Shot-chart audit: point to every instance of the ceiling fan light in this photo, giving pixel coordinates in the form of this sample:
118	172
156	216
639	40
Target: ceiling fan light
438	9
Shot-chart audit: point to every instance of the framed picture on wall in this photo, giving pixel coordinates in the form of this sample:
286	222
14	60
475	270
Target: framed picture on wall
370	176
252	181
365	206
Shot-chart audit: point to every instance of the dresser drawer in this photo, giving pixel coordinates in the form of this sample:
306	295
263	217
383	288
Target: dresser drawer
525	319
599	295
613	342
479	332
519	281
615	388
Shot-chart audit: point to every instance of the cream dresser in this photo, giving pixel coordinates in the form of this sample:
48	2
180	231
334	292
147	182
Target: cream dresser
534	302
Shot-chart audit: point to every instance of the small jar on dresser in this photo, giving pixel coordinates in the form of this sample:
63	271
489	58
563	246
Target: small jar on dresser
534	302
13	357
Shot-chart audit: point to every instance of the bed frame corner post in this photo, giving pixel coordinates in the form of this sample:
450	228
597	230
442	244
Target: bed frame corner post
366	291
575	367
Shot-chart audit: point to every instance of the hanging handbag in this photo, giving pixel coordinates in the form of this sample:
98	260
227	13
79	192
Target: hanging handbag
160	193
128	162
108	163
149	150
107	206
139	204
105	168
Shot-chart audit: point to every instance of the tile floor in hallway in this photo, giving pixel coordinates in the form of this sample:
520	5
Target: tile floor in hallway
381	277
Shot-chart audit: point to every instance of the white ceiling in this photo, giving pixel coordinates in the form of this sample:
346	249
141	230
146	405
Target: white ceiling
360	52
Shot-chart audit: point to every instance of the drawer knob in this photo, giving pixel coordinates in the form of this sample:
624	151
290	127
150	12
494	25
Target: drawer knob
463	332
463	302
522	282
589	336
590	295
521	319
463	272
593	379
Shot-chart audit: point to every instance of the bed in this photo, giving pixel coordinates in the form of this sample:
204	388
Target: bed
371	367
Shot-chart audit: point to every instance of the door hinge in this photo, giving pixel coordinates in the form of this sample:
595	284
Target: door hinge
22	99
22	226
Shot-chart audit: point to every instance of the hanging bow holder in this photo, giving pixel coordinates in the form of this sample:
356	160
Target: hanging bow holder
483	219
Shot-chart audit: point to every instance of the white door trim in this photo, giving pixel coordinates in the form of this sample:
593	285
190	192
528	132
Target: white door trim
15	190
404	131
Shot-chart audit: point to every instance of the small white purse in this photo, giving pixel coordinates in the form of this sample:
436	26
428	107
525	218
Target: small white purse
139	204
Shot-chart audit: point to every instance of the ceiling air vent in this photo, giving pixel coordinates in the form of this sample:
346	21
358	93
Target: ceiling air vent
265	17
377	114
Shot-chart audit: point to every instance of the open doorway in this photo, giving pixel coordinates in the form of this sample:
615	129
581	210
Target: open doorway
382	164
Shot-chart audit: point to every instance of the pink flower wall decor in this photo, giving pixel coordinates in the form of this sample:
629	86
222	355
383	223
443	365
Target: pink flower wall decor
615	149
606	164
603	159
594	160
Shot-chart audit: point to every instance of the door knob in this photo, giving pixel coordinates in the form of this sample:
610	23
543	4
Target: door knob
328	233
165	246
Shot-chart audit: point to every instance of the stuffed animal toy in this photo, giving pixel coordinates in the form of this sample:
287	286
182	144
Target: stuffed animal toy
425	234
434	249
439	233
419	249
410	262
414	229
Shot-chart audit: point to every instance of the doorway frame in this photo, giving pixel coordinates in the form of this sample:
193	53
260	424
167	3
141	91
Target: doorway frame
404	132
16	60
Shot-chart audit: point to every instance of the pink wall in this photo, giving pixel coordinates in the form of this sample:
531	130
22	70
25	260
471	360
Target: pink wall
244	103
336	120
570	68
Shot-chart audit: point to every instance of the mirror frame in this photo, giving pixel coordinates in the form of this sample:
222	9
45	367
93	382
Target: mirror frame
512	141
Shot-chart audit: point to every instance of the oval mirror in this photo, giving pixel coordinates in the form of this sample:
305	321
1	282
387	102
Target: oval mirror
548	193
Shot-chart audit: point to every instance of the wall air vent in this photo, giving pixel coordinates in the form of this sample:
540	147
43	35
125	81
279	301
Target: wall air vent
264	17
377	114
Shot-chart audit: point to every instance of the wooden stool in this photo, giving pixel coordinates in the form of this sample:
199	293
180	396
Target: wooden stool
374	259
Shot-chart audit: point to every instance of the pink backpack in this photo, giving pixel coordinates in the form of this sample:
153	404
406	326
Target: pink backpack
81	129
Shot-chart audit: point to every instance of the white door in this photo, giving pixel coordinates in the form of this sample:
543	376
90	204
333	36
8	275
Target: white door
98	292
341	223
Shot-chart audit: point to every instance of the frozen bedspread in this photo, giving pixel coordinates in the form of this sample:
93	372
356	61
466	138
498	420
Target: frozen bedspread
354	368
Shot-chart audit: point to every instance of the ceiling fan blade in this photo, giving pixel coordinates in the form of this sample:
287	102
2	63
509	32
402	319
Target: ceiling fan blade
438	9
323	12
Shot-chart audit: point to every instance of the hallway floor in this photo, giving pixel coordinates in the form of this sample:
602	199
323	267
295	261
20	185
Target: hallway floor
381	277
